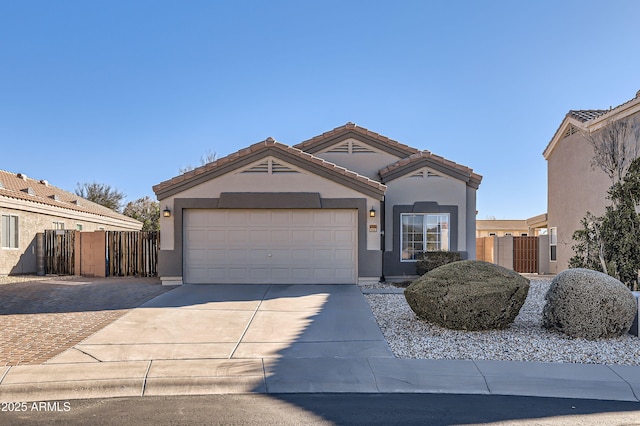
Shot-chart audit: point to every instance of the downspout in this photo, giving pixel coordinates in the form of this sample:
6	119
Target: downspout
382	235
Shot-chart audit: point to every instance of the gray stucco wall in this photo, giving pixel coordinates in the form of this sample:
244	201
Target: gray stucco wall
393	265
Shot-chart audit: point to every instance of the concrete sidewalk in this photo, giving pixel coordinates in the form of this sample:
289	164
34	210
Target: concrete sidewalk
280	339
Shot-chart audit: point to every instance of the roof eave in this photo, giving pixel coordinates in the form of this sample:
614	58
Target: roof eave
558	135
349	130
467	175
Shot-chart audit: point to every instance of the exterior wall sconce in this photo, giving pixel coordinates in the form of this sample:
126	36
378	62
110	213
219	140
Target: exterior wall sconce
166	212
372	212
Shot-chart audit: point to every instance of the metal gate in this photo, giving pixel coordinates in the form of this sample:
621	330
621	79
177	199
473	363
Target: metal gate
525	254
59	252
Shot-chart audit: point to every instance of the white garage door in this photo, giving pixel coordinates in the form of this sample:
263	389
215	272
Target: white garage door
270	246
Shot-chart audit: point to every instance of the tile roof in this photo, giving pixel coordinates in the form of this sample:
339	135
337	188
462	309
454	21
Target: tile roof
268	143
420	156
20	187
586	114
357	129
500	224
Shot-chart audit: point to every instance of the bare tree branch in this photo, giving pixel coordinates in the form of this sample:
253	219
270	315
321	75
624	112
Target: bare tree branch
615	146
209	157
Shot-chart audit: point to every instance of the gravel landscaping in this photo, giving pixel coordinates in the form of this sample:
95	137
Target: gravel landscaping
526	340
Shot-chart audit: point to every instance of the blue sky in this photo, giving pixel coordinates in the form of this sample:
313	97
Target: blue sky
127	92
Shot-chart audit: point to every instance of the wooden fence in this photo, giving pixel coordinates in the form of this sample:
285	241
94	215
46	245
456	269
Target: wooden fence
131	253
110	253
59	252
525	254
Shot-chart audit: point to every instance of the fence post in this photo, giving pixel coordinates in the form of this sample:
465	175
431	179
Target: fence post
40	267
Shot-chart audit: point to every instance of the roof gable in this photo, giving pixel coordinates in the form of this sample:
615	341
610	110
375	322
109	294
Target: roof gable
429	160
351	131
569	126
591	119
269	149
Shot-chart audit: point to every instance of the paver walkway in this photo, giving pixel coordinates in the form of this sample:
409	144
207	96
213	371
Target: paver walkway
40	319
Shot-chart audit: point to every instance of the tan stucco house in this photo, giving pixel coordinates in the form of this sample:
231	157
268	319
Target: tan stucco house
574	186
346	206
531	227
30	206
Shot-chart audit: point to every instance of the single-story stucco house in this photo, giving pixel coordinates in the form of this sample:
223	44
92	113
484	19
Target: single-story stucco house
31	206
346	206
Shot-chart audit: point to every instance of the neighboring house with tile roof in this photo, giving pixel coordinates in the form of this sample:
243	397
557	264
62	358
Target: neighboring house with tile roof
575	187
532	227
348	205
501	228
30	206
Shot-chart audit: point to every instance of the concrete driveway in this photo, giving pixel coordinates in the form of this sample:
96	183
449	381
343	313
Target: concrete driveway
241	322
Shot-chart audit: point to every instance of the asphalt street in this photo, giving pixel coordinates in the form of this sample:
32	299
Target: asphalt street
329	409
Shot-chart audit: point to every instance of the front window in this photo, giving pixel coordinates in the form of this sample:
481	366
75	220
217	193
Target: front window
422	232
553	244
9	231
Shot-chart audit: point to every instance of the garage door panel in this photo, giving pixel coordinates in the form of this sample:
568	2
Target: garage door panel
216	256
270	246
235	255
280	236
281	274
301	255
280	256
198	256
237	218
215	274
197	238
256	274
322	235
235	235
301	218
300	236
259	218
323	255
301	274
346	236
259	236
345	256
343	273
344	218
323	218
238	274
216	236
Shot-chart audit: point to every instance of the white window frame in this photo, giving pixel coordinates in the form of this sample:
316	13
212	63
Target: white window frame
79	227
10	232
553	244
442	245
58	225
